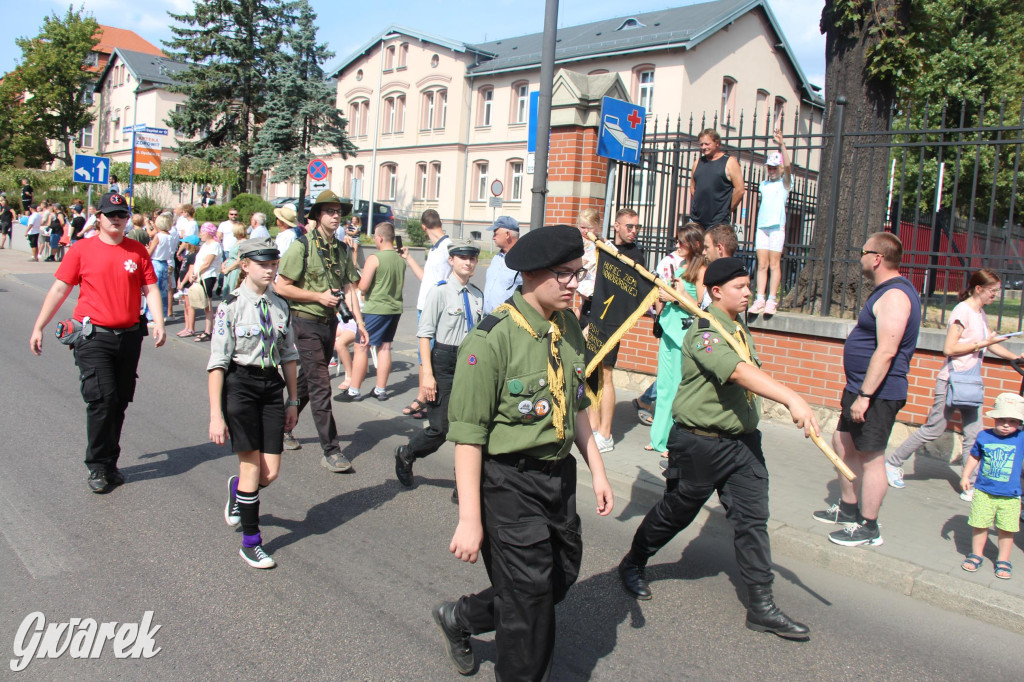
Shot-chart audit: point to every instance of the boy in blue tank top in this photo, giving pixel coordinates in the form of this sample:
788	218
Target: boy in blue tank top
997	455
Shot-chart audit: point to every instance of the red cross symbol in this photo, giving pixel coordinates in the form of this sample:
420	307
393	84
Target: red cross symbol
634	118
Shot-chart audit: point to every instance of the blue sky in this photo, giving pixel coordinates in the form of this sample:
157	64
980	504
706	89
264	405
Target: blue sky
345	26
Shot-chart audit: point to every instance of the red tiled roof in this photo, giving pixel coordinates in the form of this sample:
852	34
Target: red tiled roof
111	37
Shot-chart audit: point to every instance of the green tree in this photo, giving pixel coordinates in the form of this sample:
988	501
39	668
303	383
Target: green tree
301	112
57	88
231	45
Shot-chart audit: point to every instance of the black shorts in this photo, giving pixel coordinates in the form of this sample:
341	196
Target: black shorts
33	241
872	434
253	404
5	229
209	284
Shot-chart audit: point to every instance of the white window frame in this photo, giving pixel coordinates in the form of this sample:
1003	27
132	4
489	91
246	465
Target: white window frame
435	169
481	180
486	105
645	89
515	169
522	102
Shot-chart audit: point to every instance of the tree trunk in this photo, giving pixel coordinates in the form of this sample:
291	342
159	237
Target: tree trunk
860	203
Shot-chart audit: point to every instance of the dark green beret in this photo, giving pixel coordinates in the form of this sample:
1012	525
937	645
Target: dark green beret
545	247
723	270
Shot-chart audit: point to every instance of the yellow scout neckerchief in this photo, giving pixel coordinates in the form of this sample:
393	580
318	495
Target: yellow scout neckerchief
556	373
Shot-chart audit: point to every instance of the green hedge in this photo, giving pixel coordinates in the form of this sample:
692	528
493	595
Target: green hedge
416	234
247	204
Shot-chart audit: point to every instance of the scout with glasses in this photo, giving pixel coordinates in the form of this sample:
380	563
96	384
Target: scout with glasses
253	342
315	273
517	406
110	272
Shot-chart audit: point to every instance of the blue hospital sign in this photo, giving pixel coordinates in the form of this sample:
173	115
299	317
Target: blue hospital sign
622	130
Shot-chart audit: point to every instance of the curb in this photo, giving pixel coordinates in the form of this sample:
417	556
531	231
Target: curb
933	587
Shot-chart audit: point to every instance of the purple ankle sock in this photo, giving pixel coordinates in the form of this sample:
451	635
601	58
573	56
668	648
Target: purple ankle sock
252	540
234	487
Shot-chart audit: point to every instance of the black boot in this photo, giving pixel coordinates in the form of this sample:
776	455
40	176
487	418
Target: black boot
633	579
403	465
764	616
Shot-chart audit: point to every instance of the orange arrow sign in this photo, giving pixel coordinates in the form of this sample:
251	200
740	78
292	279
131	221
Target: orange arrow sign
147	162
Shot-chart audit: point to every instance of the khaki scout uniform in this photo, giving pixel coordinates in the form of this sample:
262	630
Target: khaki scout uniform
253	403
714	446
503	399
317	265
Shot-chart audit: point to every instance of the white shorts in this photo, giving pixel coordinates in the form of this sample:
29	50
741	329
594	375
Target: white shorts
770	239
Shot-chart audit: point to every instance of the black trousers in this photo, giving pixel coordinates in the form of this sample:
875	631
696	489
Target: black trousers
315	343
704	465
107	365
427	441
532	550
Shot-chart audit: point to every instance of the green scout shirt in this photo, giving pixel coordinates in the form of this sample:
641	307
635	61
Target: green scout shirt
706	399
501	399
317	277
384	297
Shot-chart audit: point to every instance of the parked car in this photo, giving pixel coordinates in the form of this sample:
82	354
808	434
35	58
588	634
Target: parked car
281	201
382	213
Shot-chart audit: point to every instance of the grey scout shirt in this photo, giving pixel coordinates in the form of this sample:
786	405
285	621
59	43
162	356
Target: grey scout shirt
443	318
236	332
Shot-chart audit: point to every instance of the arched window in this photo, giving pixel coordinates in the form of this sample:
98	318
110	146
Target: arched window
389	114
421	181
388	181
427	119
779	112
358	116
760	108
400	113
403	55
520	102
480	180
115	126
442	109
486	108
389	57
514	180
435	180
435	109
728	113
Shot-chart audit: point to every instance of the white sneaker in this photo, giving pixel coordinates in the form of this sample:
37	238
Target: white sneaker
895	476
967	495
604	444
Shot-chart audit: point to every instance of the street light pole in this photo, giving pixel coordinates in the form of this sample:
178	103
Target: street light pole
543	123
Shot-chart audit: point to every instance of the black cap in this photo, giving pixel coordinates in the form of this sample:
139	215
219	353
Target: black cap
259	249
545	247
723	270
112	202
466	247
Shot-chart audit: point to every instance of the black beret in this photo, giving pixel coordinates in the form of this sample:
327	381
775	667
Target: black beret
545	247
722	270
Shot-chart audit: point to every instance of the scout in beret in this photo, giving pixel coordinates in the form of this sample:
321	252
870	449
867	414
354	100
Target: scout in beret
715	414
451	310
253	343
517	406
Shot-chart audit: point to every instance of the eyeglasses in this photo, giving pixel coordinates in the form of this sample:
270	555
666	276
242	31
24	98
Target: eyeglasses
564	277
330	211
864	252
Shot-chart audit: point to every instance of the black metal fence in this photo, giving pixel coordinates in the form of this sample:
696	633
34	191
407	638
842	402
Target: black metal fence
950	195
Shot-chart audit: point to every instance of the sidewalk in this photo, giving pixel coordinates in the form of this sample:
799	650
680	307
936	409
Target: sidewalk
924	526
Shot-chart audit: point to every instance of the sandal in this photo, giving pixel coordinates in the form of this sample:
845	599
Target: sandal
972	563
185	333
643	413
343	387
1004	570
201	338
416	410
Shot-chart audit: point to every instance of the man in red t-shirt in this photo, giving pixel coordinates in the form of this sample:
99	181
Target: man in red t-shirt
110	272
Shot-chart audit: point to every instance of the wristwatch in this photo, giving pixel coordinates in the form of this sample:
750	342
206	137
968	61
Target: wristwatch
291	403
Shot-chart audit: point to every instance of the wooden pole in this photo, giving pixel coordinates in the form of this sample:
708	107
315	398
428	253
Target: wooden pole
694	309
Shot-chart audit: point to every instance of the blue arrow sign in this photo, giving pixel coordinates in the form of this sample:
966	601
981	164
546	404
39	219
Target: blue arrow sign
622	130
92	170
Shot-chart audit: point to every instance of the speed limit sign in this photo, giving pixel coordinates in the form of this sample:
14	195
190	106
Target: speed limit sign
497	188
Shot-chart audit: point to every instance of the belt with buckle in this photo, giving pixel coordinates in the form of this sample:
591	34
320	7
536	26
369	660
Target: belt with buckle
112	330
314	318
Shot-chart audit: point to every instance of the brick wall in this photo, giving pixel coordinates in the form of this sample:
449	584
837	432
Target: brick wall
573	158
814	367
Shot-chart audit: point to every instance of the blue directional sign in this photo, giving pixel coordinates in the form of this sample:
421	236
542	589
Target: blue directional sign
92	170
143	128
622	130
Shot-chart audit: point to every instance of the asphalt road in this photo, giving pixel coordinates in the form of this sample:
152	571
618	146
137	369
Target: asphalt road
361	560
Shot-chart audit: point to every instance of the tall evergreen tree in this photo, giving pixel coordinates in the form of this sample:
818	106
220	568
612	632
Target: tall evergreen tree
48	93
231	45
302	116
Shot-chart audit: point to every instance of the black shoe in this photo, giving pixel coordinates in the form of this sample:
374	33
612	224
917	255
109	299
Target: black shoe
455	495
346	397
764	616
381	396
456	640
115	477
257	557
403	466
834	515
232	514
98	482
48	259
633	579
338	463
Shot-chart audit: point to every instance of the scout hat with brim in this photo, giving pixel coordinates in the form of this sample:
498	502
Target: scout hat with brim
329	197
465	247
286	214
259	250
1008	406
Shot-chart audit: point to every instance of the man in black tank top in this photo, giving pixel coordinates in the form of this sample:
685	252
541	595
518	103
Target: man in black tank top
717	187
